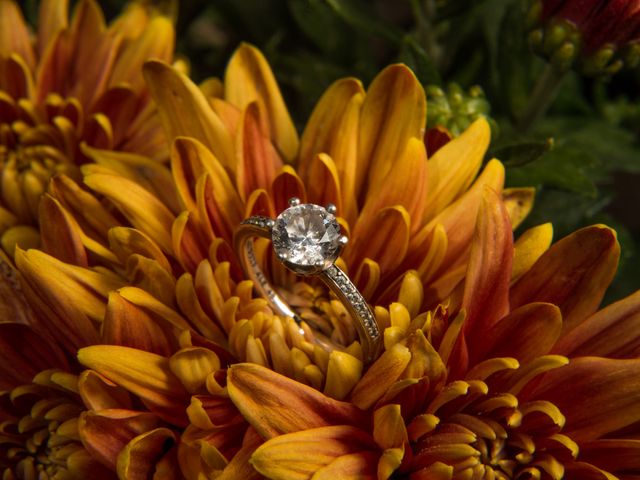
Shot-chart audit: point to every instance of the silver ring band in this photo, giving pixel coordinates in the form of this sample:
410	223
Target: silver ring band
332	276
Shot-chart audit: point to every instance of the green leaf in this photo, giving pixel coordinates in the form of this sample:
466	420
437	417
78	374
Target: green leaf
521	153
360	16
415	57
563	167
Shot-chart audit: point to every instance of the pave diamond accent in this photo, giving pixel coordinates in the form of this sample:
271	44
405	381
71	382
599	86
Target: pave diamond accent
306	235
358	302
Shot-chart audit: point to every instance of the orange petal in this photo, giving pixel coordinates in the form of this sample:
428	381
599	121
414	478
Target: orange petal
333	129
52	17
156	42
258	162
61	235
526	333
387	231
98	393
141	455
248	78
393	111
454	166
613	455
144	374
128	325
404	185
240	466
299	455
573	274
286	185
323	186
106	432
354	466
24	353
597	395
611	332
586	471
185	111
14	33
486	288
274	404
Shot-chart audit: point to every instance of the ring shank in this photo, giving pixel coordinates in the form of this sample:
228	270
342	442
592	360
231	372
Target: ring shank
334	278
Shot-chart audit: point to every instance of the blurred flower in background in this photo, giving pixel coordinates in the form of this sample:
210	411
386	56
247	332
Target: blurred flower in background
74	85
601	36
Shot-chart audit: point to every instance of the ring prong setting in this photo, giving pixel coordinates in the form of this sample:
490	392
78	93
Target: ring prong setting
331	208
294	201
343	240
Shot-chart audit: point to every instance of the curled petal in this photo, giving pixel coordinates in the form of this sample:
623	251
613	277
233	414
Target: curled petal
141	456
274	404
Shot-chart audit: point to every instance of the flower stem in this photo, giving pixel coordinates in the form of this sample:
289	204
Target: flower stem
543	94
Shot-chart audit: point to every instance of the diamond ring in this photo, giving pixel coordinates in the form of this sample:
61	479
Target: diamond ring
306	239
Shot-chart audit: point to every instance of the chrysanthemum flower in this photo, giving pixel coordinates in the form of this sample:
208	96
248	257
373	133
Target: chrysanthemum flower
74	85
473	326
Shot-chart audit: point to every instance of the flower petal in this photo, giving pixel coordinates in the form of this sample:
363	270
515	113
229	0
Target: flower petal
611	332
394	110
454	166
143	210
144	374
529	248
184	111
353	466
106	432
274	404
343	372
258	161
61	234
140	457
526	333
573	274
613	455
14	34
380	376
518	202
249	78
389	430
486	288
297	456
52	17
597	395
24	353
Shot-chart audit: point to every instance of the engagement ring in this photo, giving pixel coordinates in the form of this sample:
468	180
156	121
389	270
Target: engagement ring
306	239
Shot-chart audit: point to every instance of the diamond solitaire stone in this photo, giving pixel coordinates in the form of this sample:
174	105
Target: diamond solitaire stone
306	237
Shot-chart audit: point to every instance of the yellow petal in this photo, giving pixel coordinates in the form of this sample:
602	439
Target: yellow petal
343	372
139	458
353	466
144	374
274	404
297	456
143	210
193	365
184	111
248	78
454	166
518	202
529	247
380	376
389	430
389	462
411	293
394	110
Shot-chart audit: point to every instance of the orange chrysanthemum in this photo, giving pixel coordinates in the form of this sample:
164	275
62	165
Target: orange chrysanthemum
475	327
74	86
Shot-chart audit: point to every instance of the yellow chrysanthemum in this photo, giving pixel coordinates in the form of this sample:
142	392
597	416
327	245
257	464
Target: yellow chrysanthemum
73	86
